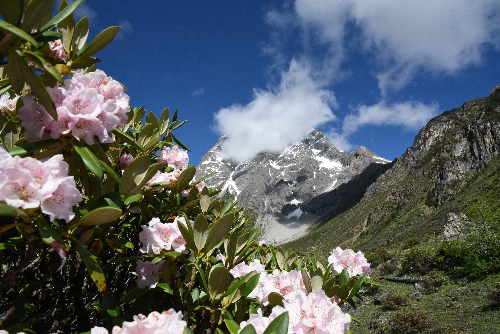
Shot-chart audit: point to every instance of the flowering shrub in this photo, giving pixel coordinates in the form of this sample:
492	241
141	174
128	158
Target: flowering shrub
102	220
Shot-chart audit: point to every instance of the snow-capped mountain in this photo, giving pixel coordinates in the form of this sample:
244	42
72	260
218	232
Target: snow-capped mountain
290	190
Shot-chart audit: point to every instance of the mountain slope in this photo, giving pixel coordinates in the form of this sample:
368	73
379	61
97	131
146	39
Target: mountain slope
290	190
451	169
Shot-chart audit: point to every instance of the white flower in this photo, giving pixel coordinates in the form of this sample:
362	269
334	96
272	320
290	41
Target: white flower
355	263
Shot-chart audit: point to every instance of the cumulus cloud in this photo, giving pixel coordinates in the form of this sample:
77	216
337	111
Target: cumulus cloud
275	117
125	29
404	37
410	115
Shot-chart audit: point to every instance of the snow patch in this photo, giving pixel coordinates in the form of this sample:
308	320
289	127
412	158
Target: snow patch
297	213
295	202
327	163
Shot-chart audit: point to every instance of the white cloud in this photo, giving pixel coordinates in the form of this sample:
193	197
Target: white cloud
125	29
199	91
276	117
410	115
445	35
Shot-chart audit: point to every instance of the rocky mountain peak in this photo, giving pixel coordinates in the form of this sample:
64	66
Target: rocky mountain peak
289	190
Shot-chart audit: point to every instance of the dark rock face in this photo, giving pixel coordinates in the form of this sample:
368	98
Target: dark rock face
298	185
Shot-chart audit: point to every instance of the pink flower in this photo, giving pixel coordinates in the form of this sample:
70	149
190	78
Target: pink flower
158	236
259	322
355	263
30	183
288	284
163	179
147	273
241	269
174	157
315	313
57	51
125	160
168	322
88	106
7	103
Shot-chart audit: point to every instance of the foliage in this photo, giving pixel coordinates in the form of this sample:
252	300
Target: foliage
140	233
394	301
417	260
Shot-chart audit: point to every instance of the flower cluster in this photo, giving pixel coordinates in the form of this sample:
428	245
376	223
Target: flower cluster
174	157
167	322
29	183
158	236
241	269
7	103
88	105
312	313
355	263
147	274
287	284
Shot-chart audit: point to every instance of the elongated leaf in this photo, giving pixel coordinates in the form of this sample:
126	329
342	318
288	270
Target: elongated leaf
80	34
219	231
218	281
249	329
90	160
344	277
93	267
200	231
164	120
232	326
64	13
183	181
110	304
278	325
236	285
251	284
27	148
100	41
187	235
100	216
137	173
131	199
181	144
11	134
11	11
11	29
356	287
45	64
18	65
132	295
119	134
47	232
36	12
146	133
10	211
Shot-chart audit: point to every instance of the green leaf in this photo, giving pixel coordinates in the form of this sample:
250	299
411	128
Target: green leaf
219	231
45	64
11	29
18	66
187	330
278	325
100	216
64	13
80	34
249	329
10	211
306	280
27	148
181	144
275	299
99	42
11	134
200	231
251	284
125	137
236	285
90	160
204	203
356	287
165	287
218	281
164	120
183	181
131	199
36	12
187	235
146	133
93	267
344	277
11	11
110	304
47	232
137	174
232	326
132	295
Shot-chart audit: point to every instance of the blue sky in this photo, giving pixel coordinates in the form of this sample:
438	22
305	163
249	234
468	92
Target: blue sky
265	73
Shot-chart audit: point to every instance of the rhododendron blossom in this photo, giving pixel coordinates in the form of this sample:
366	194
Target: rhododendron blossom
355	263
158	236
168	322
259	322
287	284
7	103
147	274
88	106
163	179
174	157
316	313
241	269
29	183
57	51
